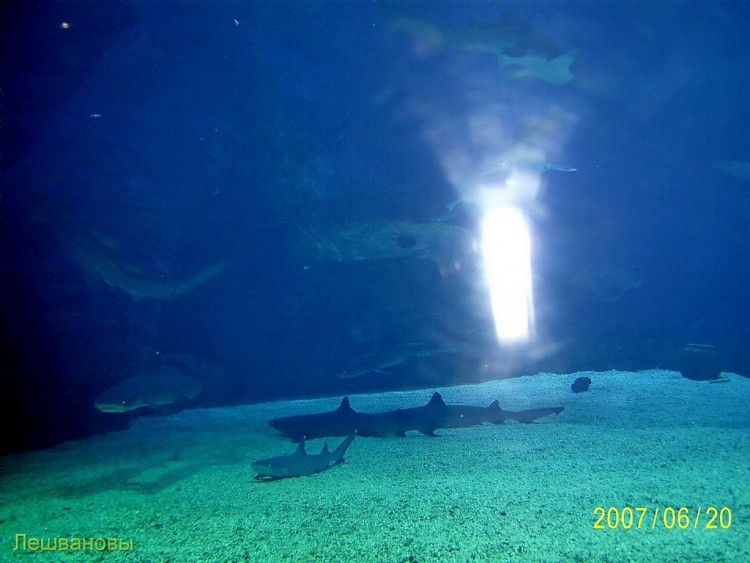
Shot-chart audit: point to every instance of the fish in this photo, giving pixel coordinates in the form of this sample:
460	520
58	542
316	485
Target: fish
300	463
115	275
379	360
96	255
385	240
513	180
157	390
342	421
98	264
554	71
425	419
514	41
437	414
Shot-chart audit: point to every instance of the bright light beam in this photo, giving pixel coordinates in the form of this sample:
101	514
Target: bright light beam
506	246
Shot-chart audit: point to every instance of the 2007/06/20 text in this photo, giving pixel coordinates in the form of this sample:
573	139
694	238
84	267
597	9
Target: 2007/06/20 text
682	518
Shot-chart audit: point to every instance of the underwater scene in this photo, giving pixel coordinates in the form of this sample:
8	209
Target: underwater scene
379	281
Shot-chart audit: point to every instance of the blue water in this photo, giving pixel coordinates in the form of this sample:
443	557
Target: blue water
177	135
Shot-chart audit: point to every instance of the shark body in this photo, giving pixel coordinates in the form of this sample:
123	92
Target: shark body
514	41
156	390
425	419
380	360
99	264
98	257
384	240
300	463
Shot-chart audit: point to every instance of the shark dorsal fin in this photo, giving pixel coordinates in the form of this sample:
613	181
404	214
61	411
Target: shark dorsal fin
301	447
436	400
344	406
325	449
495	405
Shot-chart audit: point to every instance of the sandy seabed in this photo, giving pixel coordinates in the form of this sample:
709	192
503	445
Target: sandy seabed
182	489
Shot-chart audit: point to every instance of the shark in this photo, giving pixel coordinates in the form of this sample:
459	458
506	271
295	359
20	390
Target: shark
554	71
157	390
98	264
96	255
384	240
425	419
341	421
380	360
513	41
300	463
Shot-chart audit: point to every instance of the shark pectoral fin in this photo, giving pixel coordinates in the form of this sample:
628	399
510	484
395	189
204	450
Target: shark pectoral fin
453	204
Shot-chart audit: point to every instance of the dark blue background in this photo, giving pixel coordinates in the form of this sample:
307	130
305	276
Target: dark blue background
207	127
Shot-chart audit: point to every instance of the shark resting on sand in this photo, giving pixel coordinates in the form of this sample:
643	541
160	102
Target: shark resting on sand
345	421
300	463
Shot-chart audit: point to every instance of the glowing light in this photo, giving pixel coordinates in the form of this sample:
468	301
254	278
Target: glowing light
506	247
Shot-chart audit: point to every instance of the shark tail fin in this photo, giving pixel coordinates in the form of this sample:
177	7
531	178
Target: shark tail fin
338	453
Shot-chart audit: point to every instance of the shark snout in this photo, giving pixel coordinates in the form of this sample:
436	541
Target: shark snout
265	470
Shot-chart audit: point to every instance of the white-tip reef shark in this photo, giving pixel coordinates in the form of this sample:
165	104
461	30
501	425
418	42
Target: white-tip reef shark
300	463
425	419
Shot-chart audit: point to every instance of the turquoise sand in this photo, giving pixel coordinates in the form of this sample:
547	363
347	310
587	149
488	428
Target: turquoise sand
182	489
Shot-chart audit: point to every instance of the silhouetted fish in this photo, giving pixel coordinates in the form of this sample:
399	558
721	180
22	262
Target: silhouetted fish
425	419
381	359
514	41
384	240
153	390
